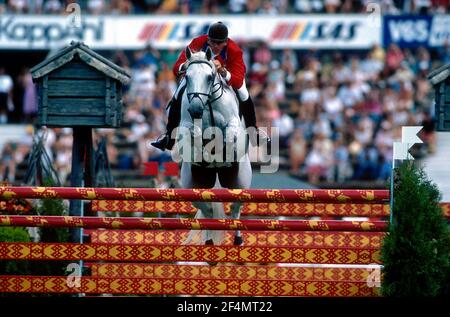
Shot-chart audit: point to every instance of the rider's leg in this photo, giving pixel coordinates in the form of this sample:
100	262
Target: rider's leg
247	109
246	106
174	117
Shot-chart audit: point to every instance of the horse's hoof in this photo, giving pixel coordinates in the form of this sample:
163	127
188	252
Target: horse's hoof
237	241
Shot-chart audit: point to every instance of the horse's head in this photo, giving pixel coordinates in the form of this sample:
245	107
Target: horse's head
200	76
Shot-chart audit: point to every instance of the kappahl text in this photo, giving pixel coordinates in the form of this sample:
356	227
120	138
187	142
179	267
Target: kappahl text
12	29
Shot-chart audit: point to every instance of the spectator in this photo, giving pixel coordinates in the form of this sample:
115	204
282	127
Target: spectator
6	89
30	96
308	6
297	151
267	8
394	58
341	161
7	163
52	6
96	7
331	6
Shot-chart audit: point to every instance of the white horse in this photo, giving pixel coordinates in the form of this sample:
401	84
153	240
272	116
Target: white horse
210	108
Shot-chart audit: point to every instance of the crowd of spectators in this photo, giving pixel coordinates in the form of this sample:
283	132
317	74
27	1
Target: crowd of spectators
223	6
338	112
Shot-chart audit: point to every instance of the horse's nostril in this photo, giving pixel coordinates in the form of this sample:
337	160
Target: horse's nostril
195	112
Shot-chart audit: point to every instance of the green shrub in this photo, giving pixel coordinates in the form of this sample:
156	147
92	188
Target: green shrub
52	207
415	254
14	267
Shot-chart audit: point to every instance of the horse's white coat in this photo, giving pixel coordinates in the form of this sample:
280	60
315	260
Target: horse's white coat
202	78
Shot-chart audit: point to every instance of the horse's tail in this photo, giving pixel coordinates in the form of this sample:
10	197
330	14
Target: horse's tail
215	211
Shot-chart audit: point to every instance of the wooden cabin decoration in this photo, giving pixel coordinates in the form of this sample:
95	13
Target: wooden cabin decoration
440	79
78	87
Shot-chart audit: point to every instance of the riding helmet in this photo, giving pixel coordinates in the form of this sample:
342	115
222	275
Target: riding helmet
218	32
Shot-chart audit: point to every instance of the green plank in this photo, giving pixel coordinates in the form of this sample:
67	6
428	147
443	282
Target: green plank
446	111
77	106
77	120
76	88
76	70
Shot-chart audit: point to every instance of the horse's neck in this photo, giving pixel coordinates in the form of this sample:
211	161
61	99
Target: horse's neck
223	97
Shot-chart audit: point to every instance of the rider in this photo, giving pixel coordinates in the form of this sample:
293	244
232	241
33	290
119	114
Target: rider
230	65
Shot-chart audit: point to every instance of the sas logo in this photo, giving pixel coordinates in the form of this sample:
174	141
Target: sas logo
315	31
172	31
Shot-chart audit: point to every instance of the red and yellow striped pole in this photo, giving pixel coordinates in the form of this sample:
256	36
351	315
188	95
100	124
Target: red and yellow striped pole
171	223
223	195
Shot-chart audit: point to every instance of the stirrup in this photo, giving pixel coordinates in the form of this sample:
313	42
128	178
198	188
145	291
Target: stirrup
261	135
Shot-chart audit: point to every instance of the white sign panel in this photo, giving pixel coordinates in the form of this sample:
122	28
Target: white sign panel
47	32
440	30
409	134
133	32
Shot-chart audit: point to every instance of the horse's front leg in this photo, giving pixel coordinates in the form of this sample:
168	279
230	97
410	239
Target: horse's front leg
234	140
206	213
236	214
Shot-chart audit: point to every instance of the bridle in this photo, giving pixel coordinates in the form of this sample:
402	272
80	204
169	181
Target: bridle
215	87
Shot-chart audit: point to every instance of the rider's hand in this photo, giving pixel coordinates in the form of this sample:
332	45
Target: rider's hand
220	69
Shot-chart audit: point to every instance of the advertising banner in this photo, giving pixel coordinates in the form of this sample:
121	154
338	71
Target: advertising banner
356	31
414	31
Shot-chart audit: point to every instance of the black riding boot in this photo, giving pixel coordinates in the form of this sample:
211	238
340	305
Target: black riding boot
166	142
247	109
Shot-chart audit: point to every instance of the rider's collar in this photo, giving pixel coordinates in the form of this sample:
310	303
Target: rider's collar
222	54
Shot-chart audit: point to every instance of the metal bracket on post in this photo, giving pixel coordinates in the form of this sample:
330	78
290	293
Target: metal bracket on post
401	152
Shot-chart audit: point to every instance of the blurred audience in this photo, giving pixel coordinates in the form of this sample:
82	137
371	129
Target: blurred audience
338	113
268	7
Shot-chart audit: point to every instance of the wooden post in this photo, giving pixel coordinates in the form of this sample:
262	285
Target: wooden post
81	174
89	167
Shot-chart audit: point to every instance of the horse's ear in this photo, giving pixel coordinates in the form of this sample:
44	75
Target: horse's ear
188	52
209	53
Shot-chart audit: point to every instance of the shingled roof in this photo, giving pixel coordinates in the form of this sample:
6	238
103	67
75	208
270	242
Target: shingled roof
87	55
439	74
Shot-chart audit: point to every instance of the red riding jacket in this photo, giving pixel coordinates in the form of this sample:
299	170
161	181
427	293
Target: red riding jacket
230	58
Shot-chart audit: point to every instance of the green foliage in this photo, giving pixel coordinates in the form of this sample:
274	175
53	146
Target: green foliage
52	207
415	254
14	234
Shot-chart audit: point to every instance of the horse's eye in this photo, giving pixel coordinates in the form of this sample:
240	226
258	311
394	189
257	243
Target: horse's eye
209	77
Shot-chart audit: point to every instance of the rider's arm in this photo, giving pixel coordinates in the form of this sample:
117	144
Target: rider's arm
236	66
195	46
